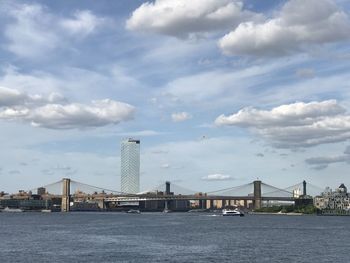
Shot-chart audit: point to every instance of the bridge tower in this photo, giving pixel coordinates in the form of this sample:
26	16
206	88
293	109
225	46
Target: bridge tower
257	194
65	205
304	188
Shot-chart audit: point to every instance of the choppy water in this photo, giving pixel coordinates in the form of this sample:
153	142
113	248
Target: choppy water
173	237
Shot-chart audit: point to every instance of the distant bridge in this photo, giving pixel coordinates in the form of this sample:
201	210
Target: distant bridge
254	193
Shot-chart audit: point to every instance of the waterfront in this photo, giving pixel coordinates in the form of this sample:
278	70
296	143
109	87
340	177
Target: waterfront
173	237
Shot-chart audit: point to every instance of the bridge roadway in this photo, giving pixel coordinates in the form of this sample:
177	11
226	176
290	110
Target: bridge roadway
190	197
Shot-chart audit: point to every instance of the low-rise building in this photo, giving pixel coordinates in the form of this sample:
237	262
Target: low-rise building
338	200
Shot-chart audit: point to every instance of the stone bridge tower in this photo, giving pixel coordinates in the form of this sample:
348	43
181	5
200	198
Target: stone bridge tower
65	205
257	195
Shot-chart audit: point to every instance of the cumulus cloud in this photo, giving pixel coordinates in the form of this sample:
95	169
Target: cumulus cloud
47	112
295	125
75	115
13	97
181	17
299	24
180	116
217	177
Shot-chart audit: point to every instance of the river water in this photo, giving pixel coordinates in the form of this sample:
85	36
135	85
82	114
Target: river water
172	237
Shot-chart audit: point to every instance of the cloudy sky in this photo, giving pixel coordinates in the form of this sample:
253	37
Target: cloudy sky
220	92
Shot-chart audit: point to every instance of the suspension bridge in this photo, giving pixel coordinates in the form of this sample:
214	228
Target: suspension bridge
166	195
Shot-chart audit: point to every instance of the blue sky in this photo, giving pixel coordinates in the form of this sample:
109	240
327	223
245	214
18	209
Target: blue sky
220	92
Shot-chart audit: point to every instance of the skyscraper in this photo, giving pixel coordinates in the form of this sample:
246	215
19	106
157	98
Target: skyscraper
130	166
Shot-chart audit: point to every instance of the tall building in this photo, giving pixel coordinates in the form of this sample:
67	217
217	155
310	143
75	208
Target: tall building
130	166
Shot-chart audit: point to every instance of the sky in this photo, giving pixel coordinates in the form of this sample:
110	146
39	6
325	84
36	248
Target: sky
220	92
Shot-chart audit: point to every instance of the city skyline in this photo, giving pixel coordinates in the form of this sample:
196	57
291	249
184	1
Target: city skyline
220	92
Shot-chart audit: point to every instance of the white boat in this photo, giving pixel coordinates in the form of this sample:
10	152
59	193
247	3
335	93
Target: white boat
232	212
12	210
134	211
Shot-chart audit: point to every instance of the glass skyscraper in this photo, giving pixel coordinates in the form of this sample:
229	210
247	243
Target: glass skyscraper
130	166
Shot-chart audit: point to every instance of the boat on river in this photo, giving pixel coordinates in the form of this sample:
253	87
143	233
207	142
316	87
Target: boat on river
232	212
134	211
12	210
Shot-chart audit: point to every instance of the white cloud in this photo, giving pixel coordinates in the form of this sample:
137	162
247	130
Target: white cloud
295	114
72	81
181	17
13	97
75	115
295	125
180	116
299	24
36	81
217	177
30	35
220	87
47	112
83	23
35	31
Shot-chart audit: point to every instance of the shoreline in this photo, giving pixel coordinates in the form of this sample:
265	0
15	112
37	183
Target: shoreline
277	213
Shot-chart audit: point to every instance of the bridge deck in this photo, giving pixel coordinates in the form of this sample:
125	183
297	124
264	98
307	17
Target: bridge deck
192	197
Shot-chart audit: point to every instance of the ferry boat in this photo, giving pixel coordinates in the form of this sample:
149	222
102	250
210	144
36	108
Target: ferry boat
232	212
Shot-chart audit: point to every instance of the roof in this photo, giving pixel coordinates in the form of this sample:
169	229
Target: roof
342	186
